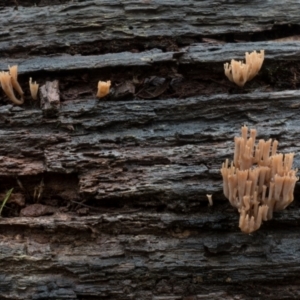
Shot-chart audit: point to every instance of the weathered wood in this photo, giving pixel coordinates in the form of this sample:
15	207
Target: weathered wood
116	152
170	255
196	53
274	51
78	62
44	28
125	181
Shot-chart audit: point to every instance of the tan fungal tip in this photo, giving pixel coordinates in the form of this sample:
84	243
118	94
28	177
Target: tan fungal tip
103	88
259	181
7	86
239	72
227	69
13	71
210	201
34	88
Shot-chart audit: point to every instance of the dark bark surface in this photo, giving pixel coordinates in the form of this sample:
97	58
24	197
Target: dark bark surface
109	198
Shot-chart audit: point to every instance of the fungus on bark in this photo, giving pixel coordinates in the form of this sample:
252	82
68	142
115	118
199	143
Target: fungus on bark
7	86
258	181
239	72
103	88
34	88
13	71
210	200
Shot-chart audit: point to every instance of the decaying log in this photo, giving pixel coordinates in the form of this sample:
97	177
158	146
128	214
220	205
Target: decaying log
195	53
109	197
40	28
132	161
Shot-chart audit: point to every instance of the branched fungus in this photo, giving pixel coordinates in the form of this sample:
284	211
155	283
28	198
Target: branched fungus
103	88
34	88
7	86
13	71
239	72
9	81
258	181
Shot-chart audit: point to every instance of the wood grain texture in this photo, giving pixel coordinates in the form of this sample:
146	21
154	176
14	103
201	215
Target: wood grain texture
199	53
141	168
77	22
133	148
146	255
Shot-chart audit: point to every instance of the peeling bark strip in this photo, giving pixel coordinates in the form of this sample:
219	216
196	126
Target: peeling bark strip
275	51
90	21
113	193
78	62
196	53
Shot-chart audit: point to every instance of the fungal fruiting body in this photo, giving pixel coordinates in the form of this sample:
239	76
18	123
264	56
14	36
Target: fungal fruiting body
239	72
13	71
6	84
254	60
103	88
258	181
34	88
210	200
9	81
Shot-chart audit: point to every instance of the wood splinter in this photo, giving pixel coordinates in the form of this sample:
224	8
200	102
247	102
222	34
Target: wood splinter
49	95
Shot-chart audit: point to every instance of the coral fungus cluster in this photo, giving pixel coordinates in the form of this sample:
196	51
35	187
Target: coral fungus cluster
258	181
239	72
9	83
